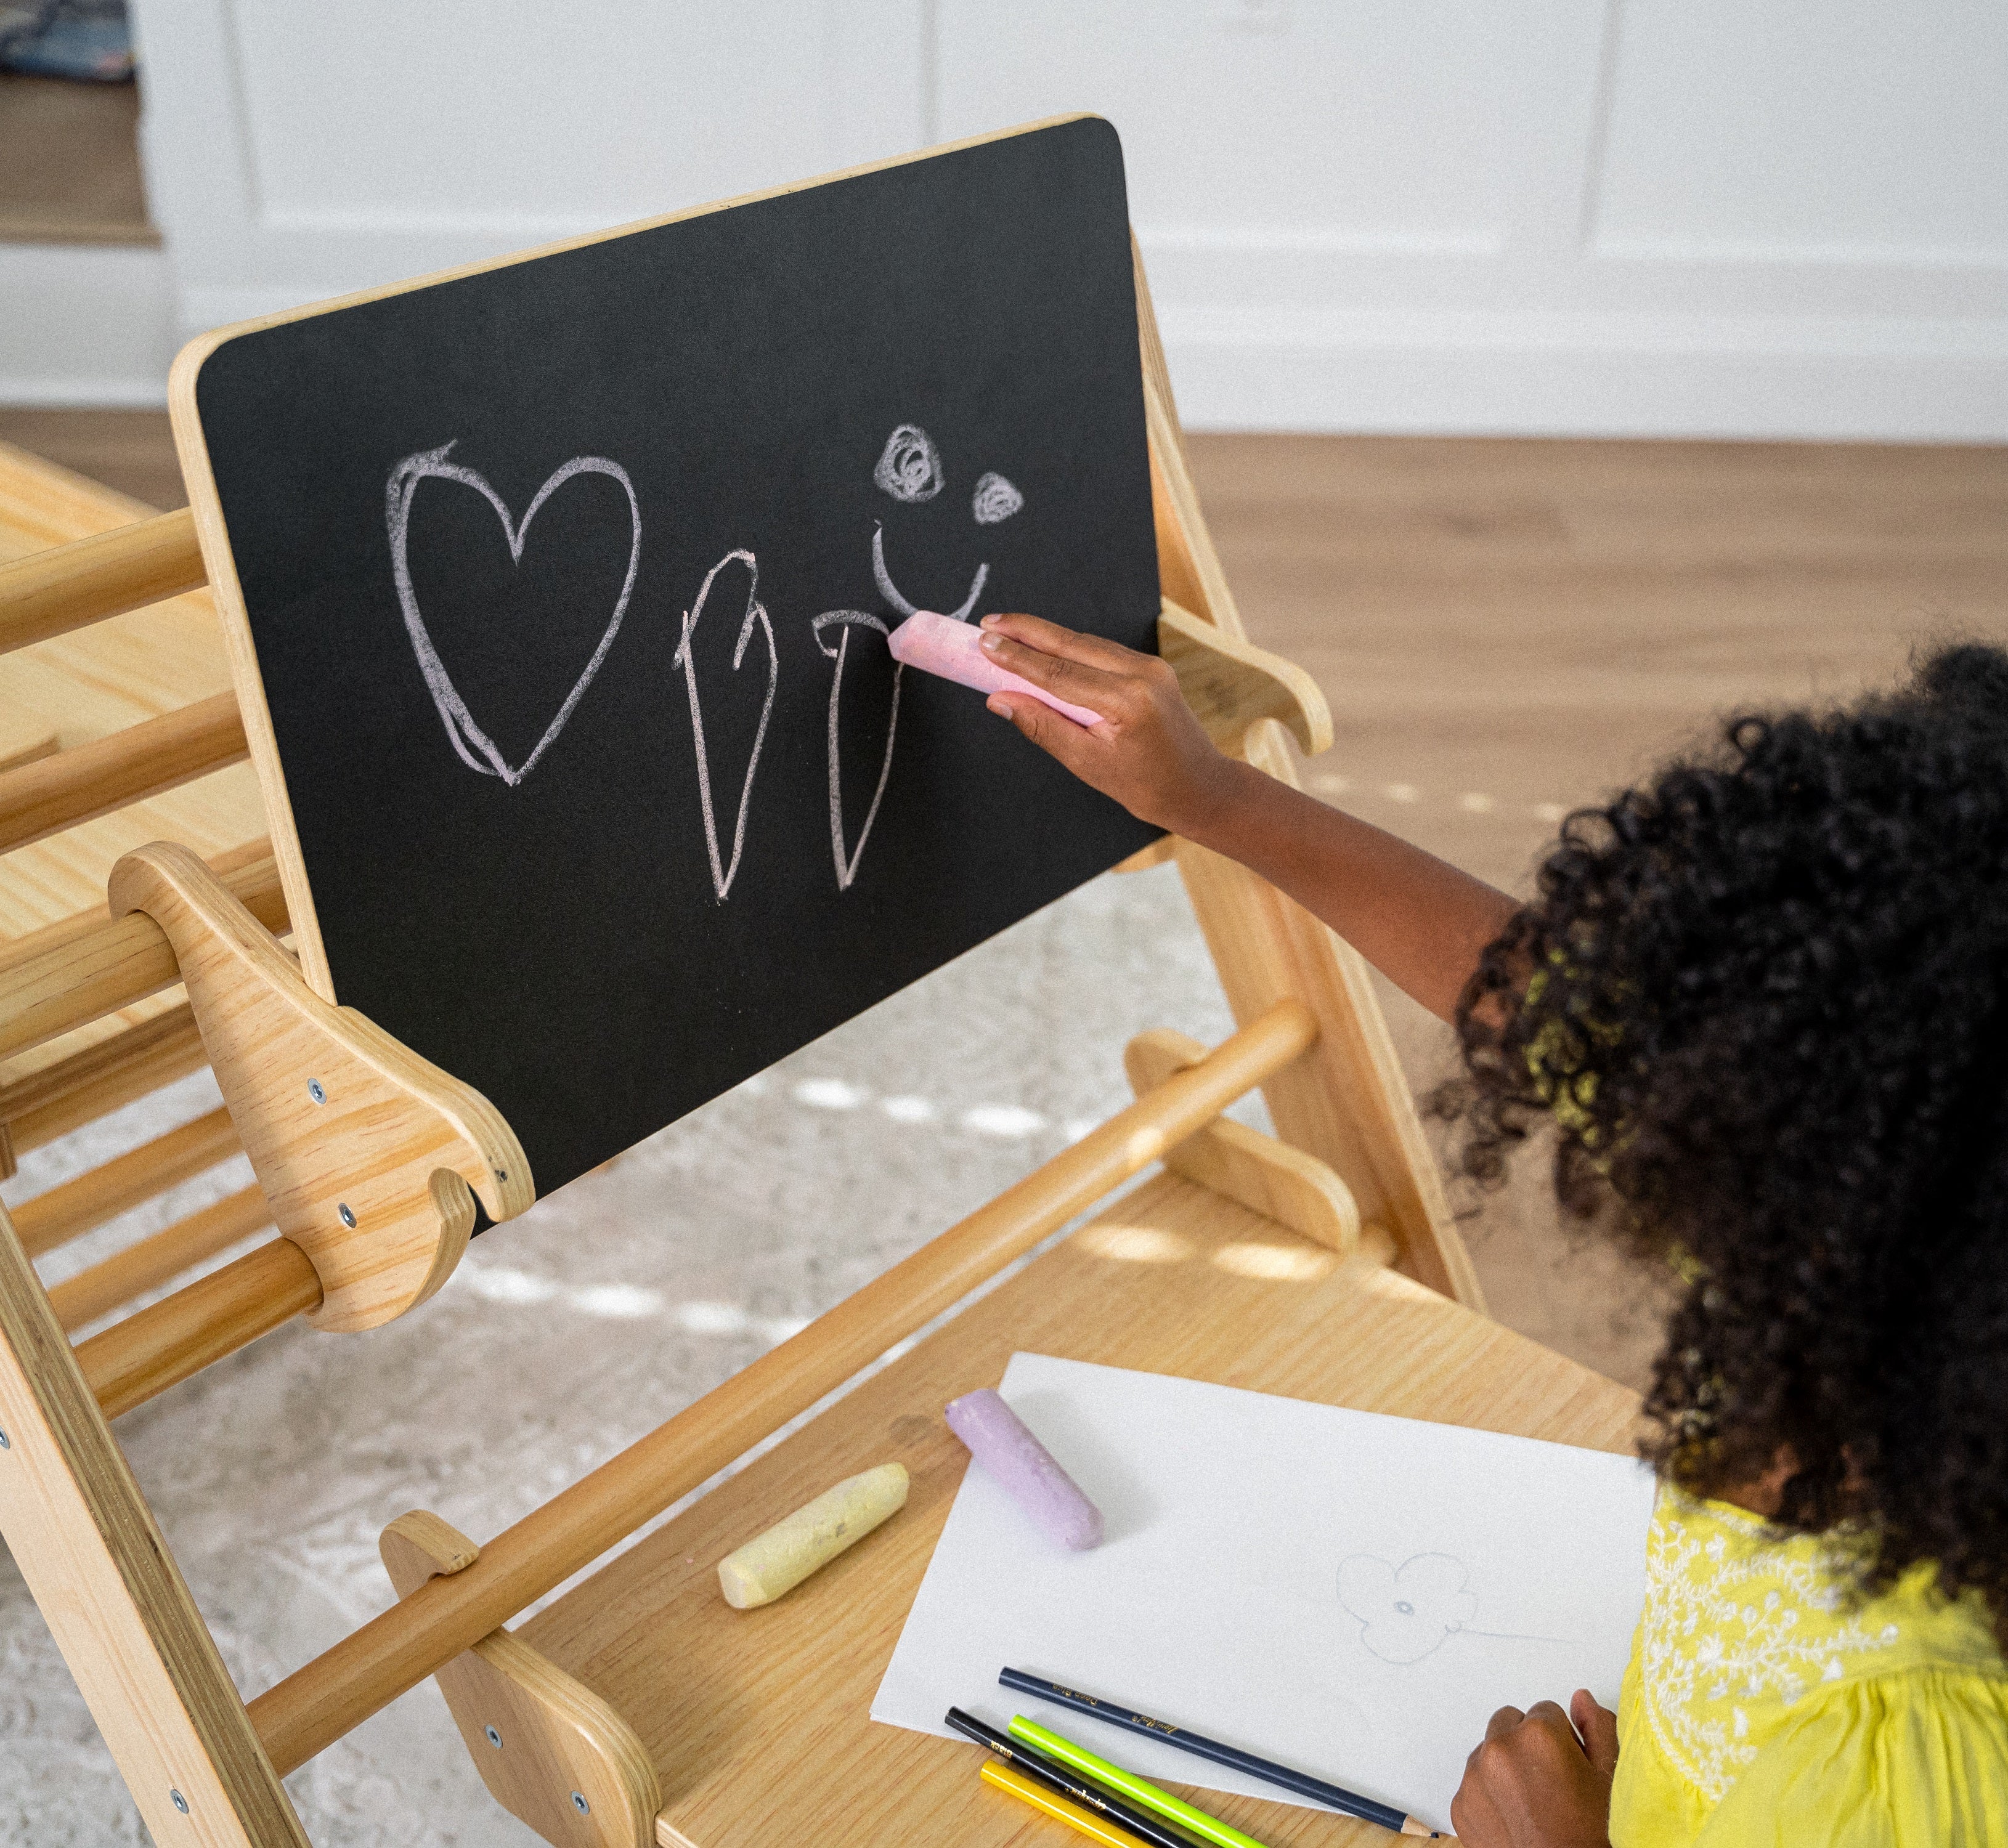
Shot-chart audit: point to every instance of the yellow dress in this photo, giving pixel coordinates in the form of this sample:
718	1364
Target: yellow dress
1764	1705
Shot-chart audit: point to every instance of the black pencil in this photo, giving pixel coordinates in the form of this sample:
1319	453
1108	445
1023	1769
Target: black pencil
1349	1803
1069	1784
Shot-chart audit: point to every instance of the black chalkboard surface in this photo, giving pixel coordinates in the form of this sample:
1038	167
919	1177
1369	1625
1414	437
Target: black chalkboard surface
569	582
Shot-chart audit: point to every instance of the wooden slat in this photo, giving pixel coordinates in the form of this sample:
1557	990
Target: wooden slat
758	1721
100	1569
93	964
134	1360
316	1704
105	1076
150	1262
55	793
67	587
68	1211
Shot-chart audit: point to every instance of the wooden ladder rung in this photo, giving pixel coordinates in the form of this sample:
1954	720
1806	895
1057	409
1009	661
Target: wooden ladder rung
72	972
126	1181
68	587
143	1355
148	1263
40	1106
45	796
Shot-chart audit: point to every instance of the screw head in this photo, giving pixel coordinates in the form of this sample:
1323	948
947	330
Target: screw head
494	1737
347	1217
179	1801
4	1444
315	1090
578	1802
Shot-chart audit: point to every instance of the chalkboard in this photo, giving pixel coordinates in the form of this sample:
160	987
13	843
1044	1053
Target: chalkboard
569	582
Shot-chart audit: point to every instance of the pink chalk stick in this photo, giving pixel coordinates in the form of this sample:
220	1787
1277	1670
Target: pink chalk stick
1024	1469
940	645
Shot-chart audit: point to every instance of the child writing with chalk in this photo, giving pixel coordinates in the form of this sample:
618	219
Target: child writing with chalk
1762	999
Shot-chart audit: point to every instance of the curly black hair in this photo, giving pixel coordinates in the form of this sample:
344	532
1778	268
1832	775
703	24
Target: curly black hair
1763	999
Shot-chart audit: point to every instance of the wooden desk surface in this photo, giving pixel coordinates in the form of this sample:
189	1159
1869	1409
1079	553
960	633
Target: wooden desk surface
758	1721
85	685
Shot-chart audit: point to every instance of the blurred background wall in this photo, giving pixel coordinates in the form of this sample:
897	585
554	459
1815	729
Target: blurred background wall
1737	217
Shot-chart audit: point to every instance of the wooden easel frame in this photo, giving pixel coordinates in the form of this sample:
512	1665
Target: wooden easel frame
1348	1168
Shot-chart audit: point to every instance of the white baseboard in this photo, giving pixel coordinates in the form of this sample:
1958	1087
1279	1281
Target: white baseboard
99	326
1530	374
85	325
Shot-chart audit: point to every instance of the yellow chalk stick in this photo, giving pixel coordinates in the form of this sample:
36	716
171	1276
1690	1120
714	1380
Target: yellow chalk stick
789	1551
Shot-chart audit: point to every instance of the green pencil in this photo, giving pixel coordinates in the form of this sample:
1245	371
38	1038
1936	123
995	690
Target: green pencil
1137	1790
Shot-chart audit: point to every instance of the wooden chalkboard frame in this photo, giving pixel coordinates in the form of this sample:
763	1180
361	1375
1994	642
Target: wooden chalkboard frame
206	503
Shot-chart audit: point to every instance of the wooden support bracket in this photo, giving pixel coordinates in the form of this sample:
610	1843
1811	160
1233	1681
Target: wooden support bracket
552	1752
1230	683
1252	1170
365	1152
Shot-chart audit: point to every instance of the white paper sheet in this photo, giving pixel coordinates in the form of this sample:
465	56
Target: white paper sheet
1240	1526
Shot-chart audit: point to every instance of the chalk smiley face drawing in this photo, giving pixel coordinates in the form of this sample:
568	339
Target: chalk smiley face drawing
909	470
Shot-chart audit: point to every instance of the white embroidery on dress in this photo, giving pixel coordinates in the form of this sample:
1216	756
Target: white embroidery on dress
1719	1632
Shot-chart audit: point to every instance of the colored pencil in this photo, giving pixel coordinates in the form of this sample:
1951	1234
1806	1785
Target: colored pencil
1069	1784
1055	1805
1140	1791
1349	1802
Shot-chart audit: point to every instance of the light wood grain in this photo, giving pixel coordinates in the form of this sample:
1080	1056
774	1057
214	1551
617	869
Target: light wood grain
1349	1105
45	797
72	1208
1230	683
149	1262
758	1721
138	1358
102	1075
24	736
72	972
552	1753
1243	1165
370	1157
100	1570
317	1704
50	592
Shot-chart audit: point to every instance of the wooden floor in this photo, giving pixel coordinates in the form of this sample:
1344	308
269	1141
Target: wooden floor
69	163
1507	628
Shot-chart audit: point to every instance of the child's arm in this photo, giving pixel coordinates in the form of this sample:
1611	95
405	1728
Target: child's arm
1417	919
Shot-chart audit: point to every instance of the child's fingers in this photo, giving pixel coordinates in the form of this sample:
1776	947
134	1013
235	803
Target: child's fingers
1076	681
1067	645
1055	733
1598	1725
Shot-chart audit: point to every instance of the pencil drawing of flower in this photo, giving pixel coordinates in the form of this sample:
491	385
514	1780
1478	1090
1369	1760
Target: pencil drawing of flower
1404	1613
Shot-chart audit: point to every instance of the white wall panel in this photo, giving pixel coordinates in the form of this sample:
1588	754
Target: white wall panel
1759	217
1854	130
1384	124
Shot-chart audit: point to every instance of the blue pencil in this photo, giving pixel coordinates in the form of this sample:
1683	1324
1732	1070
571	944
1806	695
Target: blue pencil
1347	1802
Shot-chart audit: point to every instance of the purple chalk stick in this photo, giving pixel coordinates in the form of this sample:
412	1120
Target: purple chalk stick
1025	1470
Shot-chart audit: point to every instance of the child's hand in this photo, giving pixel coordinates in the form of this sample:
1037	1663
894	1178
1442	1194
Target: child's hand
1148	752
1534	1783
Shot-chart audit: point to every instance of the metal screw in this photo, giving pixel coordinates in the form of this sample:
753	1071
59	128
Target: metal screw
179	1801
579	1804
4	1444
347	1217
494	1738
314	1090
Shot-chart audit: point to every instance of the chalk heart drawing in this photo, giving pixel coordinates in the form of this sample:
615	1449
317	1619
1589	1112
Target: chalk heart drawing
476	749
908	469
1405	1612
722	872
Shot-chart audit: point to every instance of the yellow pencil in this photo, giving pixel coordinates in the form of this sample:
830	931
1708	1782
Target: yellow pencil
1071	1813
